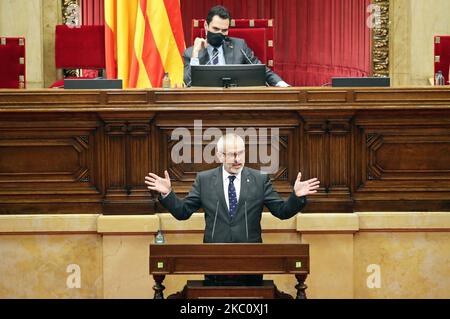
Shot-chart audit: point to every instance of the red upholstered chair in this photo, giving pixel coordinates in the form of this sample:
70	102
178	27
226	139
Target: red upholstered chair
442	56
12	63
258	33
80	48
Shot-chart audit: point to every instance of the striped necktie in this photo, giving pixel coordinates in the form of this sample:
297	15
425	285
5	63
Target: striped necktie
232	198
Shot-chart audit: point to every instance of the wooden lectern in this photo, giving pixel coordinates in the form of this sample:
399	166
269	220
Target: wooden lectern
229	259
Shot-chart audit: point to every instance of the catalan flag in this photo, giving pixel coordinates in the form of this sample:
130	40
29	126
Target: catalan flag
144	39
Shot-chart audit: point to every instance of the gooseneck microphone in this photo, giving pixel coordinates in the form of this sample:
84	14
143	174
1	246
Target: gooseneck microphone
246	56
250	61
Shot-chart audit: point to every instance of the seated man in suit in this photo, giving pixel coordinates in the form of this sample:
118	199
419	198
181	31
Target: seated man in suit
219	49
233	197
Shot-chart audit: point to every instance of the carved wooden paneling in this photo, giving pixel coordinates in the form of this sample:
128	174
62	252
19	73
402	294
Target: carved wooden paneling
48	160
51	160
116	163
89	151
214	96
402	96
50	99
416	160
127	154
339	155
404	159
327	156
316	148
324	96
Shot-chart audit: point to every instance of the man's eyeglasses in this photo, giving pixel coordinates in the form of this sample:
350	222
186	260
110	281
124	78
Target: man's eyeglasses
234	154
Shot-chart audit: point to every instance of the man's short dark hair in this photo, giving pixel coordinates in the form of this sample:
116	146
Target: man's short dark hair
220	11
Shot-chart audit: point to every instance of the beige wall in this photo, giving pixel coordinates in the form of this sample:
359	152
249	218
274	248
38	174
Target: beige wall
24	18
51	17
411	252
413	26
39	254
35	20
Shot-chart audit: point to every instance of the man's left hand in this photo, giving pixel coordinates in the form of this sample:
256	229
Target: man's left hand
305	188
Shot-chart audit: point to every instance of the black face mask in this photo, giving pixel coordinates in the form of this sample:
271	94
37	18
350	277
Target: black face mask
215	39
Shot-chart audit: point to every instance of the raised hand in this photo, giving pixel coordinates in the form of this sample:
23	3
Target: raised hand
159	184
199	44
307	187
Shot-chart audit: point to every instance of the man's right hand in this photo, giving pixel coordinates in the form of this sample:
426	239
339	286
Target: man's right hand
156	183
199	44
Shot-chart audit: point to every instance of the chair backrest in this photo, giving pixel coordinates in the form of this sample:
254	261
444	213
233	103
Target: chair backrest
258	33
12	63
442	56
80	47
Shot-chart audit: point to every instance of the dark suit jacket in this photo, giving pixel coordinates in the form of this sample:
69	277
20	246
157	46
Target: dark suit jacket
245	227
233	55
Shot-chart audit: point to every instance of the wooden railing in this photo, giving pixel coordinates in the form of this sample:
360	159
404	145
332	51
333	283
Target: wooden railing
88	151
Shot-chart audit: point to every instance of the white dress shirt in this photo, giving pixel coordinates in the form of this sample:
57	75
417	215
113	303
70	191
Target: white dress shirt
226	182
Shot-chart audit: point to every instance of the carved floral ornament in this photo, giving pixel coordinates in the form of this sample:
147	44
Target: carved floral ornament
71	12
379	21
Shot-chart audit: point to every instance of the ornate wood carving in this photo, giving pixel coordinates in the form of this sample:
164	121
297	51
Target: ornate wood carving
380	40
46	159
71	12
128	152
88	152
71	16
328	157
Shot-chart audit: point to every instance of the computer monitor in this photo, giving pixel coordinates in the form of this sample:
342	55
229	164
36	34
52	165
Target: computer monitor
361	82
230	75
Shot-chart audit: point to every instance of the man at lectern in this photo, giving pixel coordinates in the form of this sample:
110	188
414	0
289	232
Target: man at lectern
233	197
219	49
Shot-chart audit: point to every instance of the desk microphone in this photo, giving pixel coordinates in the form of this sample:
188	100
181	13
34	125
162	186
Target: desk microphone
250	61
246	56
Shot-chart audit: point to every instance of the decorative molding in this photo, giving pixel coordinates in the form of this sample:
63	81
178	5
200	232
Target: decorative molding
384	149
380	41
127	128
85	139
370	137
71	12
284	176
71	16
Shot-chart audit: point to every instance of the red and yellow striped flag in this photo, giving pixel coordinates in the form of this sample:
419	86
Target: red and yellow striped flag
144	39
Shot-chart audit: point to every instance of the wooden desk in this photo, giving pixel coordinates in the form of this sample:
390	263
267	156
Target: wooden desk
384	149
229	259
